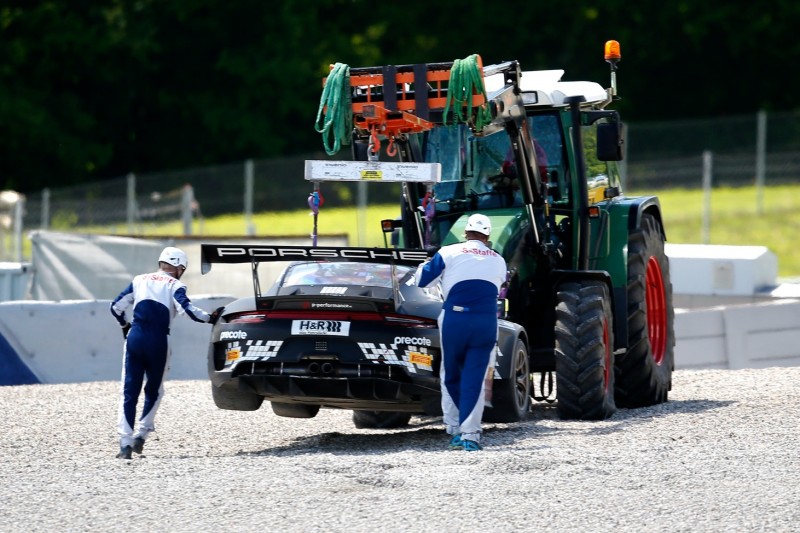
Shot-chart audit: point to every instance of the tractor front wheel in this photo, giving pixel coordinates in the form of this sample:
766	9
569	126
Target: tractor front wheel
584	351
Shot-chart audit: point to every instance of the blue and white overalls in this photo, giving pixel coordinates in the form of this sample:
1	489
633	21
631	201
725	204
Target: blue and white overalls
471	275
156	299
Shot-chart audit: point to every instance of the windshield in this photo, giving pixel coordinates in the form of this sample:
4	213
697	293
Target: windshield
484	168
343	274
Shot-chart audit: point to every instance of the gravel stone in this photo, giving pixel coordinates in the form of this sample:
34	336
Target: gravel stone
720	456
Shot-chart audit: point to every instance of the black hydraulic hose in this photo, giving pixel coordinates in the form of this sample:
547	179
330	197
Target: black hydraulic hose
583	194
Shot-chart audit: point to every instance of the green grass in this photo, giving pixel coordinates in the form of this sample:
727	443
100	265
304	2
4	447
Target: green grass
331	221
735	220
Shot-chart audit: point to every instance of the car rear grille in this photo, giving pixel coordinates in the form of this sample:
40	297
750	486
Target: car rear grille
321	346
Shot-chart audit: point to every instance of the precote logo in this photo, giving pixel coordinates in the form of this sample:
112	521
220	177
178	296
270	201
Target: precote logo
229	335
414	341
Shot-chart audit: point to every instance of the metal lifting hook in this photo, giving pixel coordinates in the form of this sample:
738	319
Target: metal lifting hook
374	145
391	148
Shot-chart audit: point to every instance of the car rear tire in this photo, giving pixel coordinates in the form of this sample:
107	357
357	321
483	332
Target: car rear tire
584	351
295	410
380	419
644	374
511	397
229	396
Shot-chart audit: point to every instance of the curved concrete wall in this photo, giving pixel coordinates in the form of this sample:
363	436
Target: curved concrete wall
78	341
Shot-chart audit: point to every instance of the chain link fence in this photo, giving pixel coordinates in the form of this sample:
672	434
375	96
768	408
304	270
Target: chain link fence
761	148
130	205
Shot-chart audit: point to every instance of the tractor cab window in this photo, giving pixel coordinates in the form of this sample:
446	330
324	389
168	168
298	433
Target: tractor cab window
548	141
482	170
472	168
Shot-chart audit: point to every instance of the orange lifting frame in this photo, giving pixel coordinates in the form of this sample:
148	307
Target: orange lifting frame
371	113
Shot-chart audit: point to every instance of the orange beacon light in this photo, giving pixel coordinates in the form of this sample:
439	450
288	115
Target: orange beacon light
612	54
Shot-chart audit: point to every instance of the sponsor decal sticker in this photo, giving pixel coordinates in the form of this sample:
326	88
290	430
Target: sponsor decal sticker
320	327
420	358
333	290
413	341
233	354
478	252
228	335
292	252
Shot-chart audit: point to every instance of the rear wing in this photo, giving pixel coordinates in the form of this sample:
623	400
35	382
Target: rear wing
253	254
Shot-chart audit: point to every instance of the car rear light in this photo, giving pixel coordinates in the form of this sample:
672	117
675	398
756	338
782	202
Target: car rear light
325	315
261	316
246	318
410	321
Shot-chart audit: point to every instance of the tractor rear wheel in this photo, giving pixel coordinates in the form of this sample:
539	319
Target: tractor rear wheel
644	374
584	351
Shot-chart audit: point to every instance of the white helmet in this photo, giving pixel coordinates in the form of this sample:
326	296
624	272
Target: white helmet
479	223
174	256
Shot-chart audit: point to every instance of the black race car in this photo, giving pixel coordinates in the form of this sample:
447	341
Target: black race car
344	328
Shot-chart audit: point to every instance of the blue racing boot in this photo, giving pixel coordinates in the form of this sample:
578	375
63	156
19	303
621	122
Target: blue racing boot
138	445
124	452
471	445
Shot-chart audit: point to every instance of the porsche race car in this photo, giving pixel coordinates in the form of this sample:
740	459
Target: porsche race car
345	328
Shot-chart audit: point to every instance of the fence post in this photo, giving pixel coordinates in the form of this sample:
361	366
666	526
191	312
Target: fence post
708	162
362	213
761	160
19	208
248	198
45	222
187	206
131	202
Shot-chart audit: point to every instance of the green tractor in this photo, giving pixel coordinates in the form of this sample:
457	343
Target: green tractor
588	282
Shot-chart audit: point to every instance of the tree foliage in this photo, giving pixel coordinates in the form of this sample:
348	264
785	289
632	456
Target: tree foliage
96	89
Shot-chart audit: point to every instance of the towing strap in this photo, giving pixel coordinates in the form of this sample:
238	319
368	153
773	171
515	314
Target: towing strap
466	79
337	126
545	386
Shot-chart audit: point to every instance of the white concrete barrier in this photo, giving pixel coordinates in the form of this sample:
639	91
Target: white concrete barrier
721	270
741	336
79	341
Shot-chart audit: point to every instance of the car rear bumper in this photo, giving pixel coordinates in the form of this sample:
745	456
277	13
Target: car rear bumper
348	393
332	384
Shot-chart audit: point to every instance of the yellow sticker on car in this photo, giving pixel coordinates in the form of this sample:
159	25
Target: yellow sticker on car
233	354
420	358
